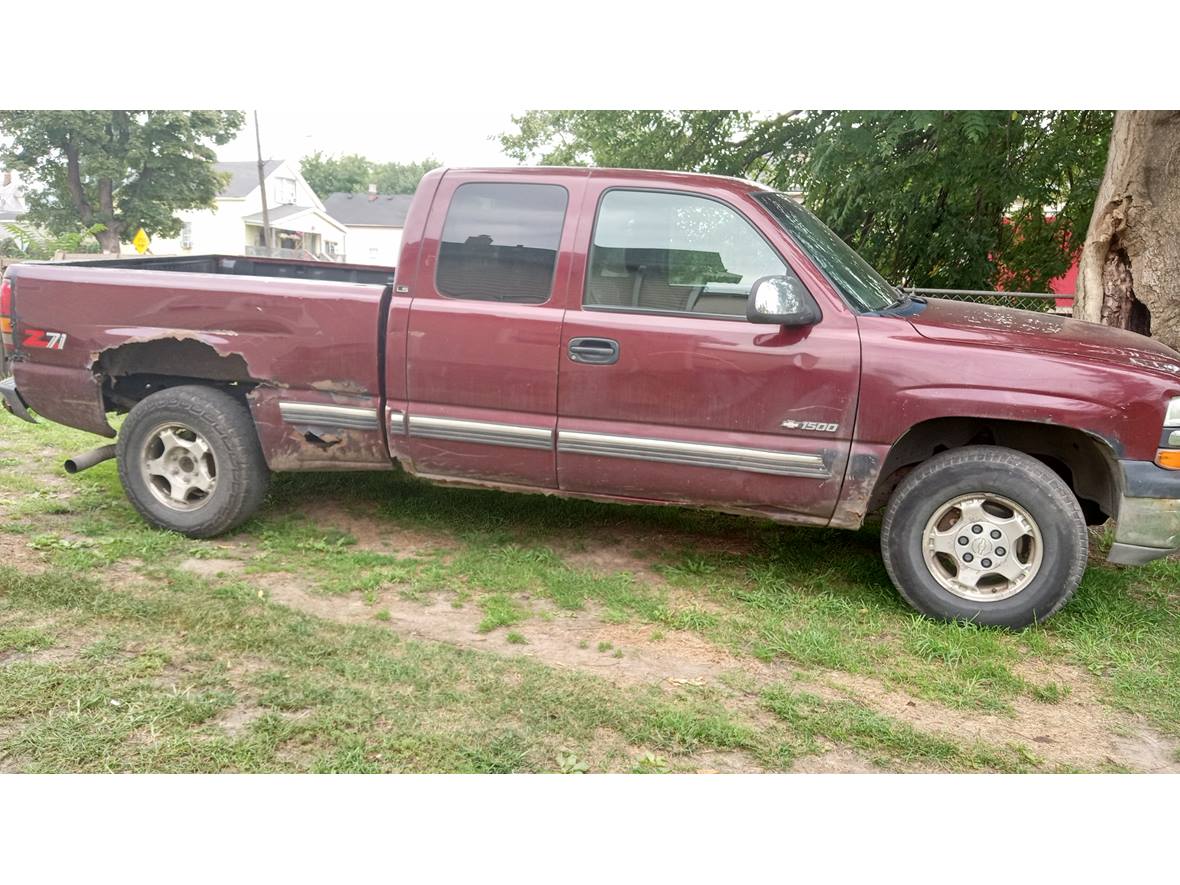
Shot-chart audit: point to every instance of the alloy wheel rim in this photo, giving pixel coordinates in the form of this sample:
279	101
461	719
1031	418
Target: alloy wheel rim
178	467
982	547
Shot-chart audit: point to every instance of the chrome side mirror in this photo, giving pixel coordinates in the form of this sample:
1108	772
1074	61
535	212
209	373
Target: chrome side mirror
782	300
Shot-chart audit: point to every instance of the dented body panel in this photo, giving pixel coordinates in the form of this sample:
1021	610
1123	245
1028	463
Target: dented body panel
307	340
807	425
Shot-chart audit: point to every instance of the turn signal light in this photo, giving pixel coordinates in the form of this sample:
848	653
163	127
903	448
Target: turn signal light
6	314
1169	458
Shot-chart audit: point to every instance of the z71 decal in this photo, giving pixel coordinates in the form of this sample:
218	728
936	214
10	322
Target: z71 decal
47	340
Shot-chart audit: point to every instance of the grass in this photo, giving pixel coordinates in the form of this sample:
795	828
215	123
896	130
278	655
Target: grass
116	658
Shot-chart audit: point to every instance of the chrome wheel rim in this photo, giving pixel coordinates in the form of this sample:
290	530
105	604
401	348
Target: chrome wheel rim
982	547
178	467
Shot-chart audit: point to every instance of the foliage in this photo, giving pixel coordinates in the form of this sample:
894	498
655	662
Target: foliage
957	199
119	169
352	174
33	244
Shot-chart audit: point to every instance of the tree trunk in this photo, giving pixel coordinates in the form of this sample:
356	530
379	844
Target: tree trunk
1129	274
109	240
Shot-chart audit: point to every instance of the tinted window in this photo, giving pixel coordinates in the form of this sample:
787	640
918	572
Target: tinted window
499	242
675	252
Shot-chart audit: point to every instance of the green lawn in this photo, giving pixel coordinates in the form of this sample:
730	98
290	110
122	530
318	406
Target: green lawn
372	622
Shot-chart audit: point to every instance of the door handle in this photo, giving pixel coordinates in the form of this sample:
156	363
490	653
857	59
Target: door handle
595	351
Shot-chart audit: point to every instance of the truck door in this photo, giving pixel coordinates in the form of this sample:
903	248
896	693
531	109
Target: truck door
484	327
667	392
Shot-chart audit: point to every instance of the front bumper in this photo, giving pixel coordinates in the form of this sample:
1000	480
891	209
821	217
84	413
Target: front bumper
13	401
1149	514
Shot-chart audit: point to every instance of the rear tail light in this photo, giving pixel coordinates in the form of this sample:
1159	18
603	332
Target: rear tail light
6	314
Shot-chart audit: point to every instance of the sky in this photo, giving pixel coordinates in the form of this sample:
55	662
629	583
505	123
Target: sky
455	138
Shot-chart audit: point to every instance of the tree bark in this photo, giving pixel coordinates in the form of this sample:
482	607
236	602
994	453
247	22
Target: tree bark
1129	273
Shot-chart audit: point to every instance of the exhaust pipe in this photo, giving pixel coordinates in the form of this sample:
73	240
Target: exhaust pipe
88	459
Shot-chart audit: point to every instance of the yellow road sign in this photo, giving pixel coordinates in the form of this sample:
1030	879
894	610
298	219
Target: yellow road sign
141	241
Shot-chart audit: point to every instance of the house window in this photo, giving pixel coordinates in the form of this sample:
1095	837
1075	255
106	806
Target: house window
330	248
186	235
284	191
499	242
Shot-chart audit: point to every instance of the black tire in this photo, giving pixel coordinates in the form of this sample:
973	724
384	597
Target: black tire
1004	472
242	477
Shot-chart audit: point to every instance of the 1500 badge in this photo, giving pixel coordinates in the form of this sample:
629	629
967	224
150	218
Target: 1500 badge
47	340
819	426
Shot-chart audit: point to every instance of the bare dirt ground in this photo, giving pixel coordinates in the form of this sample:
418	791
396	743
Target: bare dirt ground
1079	731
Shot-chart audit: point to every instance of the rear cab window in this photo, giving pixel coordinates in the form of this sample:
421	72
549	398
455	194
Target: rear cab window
500	242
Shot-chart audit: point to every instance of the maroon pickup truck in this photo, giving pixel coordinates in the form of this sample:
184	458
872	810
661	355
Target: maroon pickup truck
643	337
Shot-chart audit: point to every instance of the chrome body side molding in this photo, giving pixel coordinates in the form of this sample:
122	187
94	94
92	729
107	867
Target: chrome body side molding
486	432
324	415
693	454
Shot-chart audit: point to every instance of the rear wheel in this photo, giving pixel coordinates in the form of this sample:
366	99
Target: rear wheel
985	534
190	461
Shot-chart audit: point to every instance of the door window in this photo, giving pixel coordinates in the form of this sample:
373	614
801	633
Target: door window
675	253
499	242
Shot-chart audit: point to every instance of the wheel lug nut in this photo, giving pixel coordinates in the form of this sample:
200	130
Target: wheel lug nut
967	557
996	534
978	529
986	563
1000	551
963	540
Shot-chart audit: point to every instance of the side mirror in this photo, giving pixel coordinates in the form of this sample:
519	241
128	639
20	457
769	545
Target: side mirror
782	300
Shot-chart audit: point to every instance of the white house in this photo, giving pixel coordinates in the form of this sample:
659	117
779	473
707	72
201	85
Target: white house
12	197
300	227
375	223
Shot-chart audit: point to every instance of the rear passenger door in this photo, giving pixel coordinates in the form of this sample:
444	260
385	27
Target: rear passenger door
667	392
484	330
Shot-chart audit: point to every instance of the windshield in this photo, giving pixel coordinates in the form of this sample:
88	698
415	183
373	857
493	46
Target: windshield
861	286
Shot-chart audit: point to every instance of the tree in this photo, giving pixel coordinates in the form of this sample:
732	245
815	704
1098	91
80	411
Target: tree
31	244
1130	267
116	171
956	199
325	175
353	173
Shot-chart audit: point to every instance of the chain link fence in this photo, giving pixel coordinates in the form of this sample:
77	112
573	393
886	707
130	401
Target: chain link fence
1038	301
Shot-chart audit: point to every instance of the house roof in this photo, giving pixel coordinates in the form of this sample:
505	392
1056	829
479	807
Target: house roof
10	216
284	217
372	210
244	176
276	214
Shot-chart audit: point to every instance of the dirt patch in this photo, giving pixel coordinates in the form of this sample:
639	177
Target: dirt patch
611	559
238	718
373	533
568	640
1077	731
838	760
211	568
723	762
17	553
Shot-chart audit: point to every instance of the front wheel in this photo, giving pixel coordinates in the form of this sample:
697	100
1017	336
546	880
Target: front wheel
985	534
190	461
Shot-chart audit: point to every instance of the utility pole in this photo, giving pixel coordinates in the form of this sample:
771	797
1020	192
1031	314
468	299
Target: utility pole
262	187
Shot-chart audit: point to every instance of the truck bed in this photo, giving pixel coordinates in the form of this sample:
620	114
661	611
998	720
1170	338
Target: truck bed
93	337
249	266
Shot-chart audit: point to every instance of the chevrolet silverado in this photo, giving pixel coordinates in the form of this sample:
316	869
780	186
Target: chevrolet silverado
631	336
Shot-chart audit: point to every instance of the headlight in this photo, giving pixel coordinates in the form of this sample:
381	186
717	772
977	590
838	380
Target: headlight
1172	418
